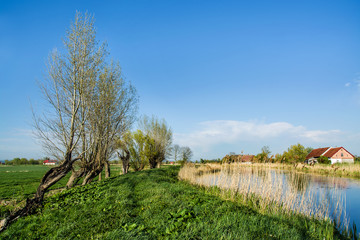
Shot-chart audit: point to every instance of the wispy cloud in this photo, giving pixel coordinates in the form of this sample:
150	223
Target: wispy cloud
347	84
212	133
19	143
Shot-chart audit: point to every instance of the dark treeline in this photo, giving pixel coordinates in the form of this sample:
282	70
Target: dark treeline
25	161
218	160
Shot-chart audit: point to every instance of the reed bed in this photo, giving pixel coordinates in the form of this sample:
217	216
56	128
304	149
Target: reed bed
351	170
269	191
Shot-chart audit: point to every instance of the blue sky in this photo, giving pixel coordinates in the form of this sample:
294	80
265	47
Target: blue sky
226	75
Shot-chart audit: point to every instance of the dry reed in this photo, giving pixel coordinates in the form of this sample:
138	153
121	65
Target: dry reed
268	190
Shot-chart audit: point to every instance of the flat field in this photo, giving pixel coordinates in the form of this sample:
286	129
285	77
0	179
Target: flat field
19	182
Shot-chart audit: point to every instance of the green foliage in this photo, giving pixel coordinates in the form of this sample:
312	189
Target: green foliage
138	145
23	161
309	149
154	204
264	156
160	139
218	160
279	158
324	160
296	153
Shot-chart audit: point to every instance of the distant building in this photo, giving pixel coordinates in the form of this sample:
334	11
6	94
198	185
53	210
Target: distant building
335	155
238	158
50	162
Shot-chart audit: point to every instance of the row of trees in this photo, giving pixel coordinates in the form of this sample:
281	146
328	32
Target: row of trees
181	154
24	161
149	146
90	106
295	153
91	111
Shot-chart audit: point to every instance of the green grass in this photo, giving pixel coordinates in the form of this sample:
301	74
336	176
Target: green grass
20	182
154	204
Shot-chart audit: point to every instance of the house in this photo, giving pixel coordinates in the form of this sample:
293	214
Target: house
238	158
50	162
335	155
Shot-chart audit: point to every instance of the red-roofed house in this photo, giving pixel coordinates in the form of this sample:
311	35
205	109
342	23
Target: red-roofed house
335	155
50	162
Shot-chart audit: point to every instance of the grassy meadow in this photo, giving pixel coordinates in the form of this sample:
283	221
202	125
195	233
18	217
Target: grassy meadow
21	181
155	204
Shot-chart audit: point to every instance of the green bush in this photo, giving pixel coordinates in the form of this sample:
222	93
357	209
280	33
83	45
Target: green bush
324	160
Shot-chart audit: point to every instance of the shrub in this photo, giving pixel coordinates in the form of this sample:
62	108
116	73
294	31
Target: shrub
324	160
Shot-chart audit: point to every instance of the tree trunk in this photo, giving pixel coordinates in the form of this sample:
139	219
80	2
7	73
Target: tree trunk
158	164
126	166
152	164
51	177
125	159
75	177
107	169
92	174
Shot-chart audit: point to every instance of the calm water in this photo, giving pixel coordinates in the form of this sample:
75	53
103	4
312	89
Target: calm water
322	187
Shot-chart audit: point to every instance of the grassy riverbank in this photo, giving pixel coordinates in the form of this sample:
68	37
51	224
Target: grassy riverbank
154	204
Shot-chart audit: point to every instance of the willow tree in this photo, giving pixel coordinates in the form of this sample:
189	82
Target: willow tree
75	81
161	135
114	110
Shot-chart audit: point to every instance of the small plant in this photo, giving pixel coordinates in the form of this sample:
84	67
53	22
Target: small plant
178	221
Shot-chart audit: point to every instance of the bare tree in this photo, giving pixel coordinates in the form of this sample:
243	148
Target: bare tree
90	103
186	154
175	152
70	77
114	111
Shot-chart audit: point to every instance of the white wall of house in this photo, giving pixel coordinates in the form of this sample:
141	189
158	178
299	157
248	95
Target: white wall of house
52	163
339	160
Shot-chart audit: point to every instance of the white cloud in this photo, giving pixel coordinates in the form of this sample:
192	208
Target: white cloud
211	134
347	84
19	143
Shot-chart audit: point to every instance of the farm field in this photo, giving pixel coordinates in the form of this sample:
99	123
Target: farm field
19	182
154	204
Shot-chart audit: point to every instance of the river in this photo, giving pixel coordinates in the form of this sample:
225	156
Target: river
340	196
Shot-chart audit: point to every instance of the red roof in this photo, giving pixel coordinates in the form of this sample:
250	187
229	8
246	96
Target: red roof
247	158
316	153
331	152
50	161
320	151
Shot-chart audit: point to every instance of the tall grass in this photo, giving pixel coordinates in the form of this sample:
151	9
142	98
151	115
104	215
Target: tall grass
269	191
351	170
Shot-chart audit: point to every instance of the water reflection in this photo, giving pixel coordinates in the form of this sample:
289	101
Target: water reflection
313	195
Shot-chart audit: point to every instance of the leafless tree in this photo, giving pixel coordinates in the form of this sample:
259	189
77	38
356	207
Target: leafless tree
90	103
186	154
175	152
70	77
114	111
